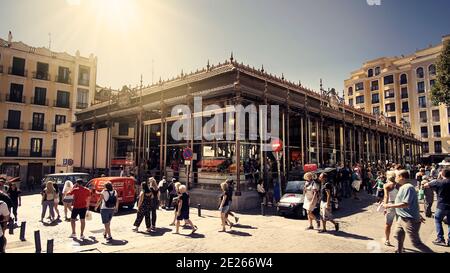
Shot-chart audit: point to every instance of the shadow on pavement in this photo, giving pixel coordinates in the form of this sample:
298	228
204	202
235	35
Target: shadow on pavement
126	211
349	235
194	235
239	233
351	206
244	226
51	224
116	243
86	242
157	233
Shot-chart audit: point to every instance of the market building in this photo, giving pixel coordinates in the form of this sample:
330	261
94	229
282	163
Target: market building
134	129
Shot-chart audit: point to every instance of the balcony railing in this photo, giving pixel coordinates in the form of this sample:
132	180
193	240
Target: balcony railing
12	125
424	135
37	127
83	82
437	134
82	105
405	110
375	88
41	75
423	120
37	101
57	103
17	72
27	153
61	79
18	99
436	119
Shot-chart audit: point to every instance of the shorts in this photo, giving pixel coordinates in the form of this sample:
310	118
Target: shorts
390	216
184	215
107	215
325	213
380	193
225	209
77	211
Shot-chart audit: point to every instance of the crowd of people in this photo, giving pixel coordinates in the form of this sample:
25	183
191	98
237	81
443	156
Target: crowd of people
397	190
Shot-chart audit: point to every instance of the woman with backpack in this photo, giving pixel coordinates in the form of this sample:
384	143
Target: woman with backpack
154	204
48	201
109	205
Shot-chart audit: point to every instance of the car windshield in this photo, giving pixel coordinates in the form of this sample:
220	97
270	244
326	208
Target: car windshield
295	187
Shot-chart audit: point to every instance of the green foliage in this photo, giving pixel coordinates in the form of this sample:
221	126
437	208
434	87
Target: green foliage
440	93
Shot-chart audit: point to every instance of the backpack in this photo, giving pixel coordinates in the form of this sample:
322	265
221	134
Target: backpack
111	202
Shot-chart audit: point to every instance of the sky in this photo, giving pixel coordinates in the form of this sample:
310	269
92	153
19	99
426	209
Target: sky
305	40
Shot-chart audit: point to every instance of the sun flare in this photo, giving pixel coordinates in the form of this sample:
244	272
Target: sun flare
115	14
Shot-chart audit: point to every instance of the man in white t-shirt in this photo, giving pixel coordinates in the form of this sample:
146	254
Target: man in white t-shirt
4	218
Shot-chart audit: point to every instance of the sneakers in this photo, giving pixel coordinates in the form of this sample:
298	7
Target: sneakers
82	237
73	236
440	242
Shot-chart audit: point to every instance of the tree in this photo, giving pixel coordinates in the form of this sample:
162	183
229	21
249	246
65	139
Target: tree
440	93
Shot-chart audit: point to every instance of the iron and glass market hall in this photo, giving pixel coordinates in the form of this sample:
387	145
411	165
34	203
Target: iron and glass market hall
132	131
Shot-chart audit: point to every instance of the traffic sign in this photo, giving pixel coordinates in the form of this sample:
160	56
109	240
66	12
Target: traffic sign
188	154
277	145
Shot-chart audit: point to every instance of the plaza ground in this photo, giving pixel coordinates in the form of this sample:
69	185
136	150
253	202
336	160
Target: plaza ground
361	232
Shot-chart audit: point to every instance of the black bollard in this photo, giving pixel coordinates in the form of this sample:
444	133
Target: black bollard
263	209
37	241
11	226
50	246
22	231
199	207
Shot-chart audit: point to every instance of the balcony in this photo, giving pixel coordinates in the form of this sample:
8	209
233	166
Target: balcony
60	104
61	79
41	75
83	82
17	72
27	153
82	105
17	99
37	127
12	125
37	101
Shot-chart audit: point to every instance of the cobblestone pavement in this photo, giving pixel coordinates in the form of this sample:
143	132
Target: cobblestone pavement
361	232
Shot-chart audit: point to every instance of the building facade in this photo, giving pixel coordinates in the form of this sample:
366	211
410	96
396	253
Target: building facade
135	130
39	90
400	89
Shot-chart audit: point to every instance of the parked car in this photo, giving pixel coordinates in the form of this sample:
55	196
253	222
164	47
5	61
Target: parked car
61	178
125	187
291	203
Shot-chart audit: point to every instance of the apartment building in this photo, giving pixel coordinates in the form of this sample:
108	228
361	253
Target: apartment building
39	90
400	88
